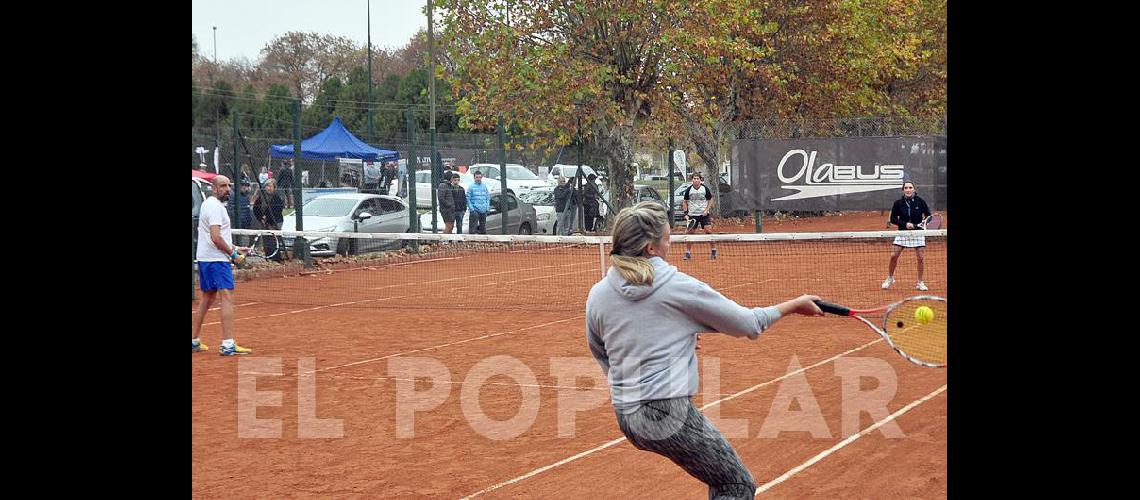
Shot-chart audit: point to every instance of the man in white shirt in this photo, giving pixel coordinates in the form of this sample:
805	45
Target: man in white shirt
698	203
215	276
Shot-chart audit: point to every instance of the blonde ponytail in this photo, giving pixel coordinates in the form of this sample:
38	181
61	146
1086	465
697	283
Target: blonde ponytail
634	229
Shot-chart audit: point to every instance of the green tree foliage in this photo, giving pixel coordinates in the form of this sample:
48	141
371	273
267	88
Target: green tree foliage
275	118
324	106
693	68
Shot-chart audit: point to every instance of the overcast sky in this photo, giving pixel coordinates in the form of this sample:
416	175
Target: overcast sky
245	26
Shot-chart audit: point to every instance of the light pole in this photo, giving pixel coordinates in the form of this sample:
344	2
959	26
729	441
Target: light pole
370	73
217	118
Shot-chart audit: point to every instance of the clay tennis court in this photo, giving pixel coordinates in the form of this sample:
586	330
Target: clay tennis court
340	339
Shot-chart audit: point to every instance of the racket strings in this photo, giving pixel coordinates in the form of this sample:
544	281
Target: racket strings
921	336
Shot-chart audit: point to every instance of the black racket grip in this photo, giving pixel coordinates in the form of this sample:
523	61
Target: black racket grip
828	307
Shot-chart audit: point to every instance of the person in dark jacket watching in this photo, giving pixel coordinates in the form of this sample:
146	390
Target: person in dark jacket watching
566	206
907	213
267	208
590	202
285	183
446	202
459	198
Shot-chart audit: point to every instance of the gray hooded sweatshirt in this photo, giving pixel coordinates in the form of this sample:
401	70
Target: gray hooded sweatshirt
645	336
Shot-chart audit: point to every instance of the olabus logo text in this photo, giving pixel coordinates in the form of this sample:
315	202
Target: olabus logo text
830	180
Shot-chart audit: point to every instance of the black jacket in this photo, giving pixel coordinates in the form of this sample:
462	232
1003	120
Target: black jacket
590	195
443	194
563	193
285	177
268	210
459	196
912	211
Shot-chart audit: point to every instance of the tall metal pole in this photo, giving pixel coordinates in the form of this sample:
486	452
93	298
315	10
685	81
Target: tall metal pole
301	246
217	112
671	188
503	177
436	170
581	216
410	182
370	129
238	202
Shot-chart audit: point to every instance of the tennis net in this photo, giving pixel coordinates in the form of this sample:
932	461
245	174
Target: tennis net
555	273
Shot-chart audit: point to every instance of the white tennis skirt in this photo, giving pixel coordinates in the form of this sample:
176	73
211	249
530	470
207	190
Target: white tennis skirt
910	241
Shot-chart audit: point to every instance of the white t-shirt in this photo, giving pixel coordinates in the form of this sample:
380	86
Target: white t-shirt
697	200
213	213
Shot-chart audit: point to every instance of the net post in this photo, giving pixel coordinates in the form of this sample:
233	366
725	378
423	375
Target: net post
602	257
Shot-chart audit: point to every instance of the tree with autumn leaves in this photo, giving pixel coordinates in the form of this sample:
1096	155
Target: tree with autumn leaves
691	68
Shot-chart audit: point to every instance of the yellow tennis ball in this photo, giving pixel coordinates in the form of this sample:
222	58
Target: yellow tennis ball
924	314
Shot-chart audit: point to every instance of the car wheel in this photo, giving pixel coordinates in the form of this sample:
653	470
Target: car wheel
524	228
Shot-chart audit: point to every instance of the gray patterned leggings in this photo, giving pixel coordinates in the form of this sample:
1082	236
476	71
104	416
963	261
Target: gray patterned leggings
673	428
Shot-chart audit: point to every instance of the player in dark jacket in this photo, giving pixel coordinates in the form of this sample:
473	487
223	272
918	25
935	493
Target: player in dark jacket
906	214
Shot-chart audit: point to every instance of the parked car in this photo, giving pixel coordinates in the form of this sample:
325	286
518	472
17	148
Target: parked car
198	196
347	213
521	217
424	187
542	199
519	178
641	192
570	171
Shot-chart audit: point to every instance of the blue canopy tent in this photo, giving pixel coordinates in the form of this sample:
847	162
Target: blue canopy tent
332	143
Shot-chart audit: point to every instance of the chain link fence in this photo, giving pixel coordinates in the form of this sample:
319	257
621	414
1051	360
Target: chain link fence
251	145
871	126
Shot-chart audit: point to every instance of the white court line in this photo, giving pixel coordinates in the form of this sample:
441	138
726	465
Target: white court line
390	298
847	441
445	345
619	440
464	341
452	382
195	310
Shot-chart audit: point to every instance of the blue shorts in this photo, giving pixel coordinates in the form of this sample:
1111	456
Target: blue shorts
215	275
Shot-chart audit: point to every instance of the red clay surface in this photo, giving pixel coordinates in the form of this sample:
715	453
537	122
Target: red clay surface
357	329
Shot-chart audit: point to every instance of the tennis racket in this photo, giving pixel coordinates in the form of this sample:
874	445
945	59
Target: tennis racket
933	221
690	223
257	250
914	327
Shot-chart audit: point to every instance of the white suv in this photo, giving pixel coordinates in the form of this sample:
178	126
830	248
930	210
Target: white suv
519	178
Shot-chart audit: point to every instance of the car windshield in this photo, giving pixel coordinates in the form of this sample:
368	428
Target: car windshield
328	207
544	197
520	173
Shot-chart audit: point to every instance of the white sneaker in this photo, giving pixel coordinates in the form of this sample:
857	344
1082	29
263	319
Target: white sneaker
922	286
887	282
